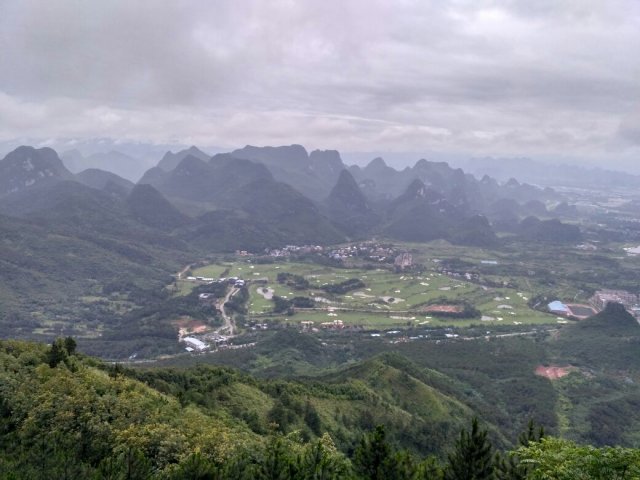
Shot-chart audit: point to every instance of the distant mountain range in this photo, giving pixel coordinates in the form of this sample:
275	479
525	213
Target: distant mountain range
549	174
172	160
112	161
259	197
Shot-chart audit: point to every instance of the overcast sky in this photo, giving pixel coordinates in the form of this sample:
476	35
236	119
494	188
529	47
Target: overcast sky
530	77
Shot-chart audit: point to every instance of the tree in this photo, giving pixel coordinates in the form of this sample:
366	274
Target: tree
312	419
509	467
373	455
322	461
278	463
472	458
282	305
429	469
195	467
57	353
70	345
553	458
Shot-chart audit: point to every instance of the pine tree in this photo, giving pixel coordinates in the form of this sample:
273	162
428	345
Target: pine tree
57	353
509	467
196	467
70	345
322	461
278	463
472	458
373	455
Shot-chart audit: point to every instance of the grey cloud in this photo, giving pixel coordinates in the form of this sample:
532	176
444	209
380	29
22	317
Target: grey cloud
483	76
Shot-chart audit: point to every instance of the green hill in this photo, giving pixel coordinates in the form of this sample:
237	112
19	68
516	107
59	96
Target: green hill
215	404
608	340
64	415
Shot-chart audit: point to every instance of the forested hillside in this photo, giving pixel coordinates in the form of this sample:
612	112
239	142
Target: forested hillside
66	416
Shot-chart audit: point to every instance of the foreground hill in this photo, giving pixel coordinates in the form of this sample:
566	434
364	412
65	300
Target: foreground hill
64	415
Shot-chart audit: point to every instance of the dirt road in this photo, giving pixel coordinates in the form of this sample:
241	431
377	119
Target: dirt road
228	326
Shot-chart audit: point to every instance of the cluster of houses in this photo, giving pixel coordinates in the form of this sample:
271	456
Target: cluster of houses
629	300
404	260
372	251
235	281
308	325
471	277
289	250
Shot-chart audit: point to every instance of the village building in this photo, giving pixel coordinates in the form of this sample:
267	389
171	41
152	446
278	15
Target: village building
404	260
558	308
195	344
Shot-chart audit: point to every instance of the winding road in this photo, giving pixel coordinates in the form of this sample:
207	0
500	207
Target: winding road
228	325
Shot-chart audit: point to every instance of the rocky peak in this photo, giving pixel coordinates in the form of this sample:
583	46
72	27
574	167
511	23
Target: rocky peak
27	166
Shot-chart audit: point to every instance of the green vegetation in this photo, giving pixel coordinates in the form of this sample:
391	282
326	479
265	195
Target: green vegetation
372	297
297	282
63	415
344	287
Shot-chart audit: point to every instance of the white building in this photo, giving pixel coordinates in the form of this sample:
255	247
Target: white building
196	344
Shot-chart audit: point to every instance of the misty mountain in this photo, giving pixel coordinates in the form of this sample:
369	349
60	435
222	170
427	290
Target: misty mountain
382	183
314	174
422	213
76	209
438	201
252	209
171	160
150	208
216	181
563	209
549	174
349	209
26	167
102	180
552	231
265	213
112	161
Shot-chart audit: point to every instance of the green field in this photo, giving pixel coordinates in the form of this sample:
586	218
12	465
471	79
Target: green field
388	299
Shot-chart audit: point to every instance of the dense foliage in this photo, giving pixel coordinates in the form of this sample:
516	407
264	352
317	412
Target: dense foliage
292	280
344	287
67	416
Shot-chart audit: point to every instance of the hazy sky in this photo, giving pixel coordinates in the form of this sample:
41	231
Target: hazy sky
530	77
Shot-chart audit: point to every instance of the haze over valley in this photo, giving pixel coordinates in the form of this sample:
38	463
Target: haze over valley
352	240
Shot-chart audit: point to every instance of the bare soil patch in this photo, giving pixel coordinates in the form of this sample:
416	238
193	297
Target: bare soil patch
442	309
553	372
